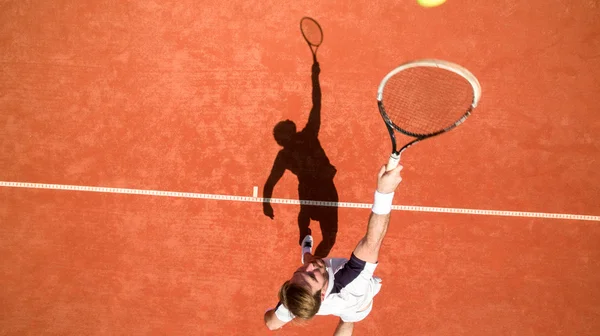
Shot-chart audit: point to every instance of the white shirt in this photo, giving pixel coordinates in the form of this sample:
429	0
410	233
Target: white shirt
351	288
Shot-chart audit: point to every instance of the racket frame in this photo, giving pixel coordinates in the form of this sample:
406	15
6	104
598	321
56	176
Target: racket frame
310	45
391	126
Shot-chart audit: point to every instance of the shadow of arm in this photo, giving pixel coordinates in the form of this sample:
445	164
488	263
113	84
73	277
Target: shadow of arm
314	119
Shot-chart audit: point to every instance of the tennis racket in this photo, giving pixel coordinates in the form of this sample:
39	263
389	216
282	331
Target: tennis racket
425	98
312	33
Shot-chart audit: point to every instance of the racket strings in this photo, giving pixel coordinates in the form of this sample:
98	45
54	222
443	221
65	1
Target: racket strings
311	31
425	100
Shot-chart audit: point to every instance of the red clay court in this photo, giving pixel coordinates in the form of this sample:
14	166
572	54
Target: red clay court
133	135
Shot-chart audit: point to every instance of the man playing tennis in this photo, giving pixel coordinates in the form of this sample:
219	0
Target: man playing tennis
337	286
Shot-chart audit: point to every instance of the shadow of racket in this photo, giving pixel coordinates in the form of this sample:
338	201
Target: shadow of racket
312	33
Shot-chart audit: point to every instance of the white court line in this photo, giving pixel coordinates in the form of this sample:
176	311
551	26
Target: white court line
292	201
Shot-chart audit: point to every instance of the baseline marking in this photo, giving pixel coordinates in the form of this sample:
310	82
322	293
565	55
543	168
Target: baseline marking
295	202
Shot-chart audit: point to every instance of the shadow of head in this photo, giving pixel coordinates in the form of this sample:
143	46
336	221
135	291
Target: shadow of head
283	132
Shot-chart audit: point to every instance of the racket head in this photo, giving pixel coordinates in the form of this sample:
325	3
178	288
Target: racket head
427	97
311	31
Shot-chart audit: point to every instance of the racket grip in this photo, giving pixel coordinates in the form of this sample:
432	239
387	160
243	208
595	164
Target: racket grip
393	161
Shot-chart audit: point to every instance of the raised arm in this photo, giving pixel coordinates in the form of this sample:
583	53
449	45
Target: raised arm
314	119
368	247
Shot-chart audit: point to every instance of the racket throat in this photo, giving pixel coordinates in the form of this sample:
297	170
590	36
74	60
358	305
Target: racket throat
405	147
394	159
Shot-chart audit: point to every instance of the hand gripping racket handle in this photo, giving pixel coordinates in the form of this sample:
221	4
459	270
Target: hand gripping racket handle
393	161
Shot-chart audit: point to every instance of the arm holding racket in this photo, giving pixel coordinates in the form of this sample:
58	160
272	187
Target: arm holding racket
387	182
314	118
316	86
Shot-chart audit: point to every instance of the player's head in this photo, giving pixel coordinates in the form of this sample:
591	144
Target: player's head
284	131
303	293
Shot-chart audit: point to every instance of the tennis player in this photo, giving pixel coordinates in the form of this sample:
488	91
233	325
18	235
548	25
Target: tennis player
339	286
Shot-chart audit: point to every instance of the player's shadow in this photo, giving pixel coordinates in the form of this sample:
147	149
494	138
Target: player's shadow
304	157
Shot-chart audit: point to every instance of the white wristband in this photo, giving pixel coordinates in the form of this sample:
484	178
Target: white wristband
383	203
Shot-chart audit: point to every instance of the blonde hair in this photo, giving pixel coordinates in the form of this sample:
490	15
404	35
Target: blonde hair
299	300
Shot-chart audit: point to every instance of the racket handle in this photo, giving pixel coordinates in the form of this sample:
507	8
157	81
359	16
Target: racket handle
393	161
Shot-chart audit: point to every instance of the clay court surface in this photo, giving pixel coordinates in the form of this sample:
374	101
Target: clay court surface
182	97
